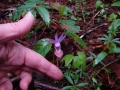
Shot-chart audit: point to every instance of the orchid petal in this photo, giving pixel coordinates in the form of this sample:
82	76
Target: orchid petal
52	41
61	37
56	37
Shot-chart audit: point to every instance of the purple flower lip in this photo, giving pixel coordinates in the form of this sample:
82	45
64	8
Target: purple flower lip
57	40
58	52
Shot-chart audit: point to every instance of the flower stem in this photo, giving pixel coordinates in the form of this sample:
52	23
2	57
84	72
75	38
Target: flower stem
58	59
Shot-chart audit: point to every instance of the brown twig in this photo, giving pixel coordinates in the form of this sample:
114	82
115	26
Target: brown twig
91	30
15	78
92	18
39	84
77	46
100	68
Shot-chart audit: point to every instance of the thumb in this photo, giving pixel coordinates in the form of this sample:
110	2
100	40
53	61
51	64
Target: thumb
14	30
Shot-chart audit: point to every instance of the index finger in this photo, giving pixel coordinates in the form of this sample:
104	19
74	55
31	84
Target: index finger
35	60
11	31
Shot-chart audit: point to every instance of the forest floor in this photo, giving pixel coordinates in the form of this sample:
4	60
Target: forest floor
94	19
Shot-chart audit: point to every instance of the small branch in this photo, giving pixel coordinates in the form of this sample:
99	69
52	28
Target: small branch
91	30
46	86
92	18
83	13
100	67
77	46
15	78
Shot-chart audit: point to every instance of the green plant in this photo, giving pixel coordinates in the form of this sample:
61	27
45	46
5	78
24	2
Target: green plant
113	28
34	6
96	83
98	4
67	21
73	78
75	37
98	58
112	17
77	61
70	1
81	1
116	3
63	10
42	46
101	7
68	24
109	41
40	7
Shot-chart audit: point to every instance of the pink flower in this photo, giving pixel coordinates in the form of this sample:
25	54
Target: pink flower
58	52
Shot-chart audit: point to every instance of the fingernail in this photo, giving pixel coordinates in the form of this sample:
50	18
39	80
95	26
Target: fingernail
28	15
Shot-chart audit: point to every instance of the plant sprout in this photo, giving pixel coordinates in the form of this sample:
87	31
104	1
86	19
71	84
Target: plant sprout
58	52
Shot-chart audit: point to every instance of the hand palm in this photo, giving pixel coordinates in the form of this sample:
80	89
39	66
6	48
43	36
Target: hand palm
18	59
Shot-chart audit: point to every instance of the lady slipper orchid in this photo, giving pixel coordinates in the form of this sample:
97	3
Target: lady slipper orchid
58	52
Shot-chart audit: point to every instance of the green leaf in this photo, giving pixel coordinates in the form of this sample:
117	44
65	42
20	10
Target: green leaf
82	58
16	15
47	7
117	42
116	39
116	3
118	12
68	10
62	10
68	59
44	14
102	39
18	11
69	22
65	10
28	35
69	79
102	11
34	13
42	47
114	27
99	58
94	80
35	1
75	78
116	23
98	3
112	17
115	50
69	25
98	88
82	84
92	54
26	6
108	37
81	42
76	62
67	87
76	38
56	6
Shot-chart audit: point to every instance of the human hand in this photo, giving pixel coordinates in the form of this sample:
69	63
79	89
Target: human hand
18	59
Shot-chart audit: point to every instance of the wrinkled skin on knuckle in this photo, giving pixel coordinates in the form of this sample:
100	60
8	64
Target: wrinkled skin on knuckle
16	54
11	54
12	33
3	53
16	27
